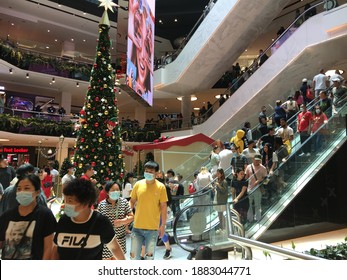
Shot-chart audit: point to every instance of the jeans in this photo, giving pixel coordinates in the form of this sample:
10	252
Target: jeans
303	137
140	236
256	197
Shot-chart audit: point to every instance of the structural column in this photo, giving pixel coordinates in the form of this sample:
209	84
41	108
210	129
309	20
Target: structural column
65	101
140	114
186	110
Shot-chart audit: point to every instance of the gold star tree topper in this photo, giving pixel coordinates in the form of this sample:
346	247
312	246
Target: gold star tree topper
108	4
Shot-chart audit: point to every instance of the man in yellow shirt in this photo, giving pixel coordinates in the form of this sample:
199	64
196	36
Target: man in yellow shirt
150	198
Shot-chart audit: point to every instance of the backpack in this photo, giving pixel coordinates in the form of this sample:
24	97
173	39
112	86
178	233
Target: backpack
309	94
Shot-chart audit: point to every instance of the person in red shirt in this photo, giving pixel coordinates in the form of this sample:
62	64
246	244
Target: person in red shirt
319	119
88	172
304	129
47	182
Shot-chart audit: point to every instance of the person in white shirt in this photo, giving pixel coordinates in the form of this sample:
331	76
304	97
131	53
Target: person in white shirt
250	151
225	156
127	185
320	82
69	176
286	133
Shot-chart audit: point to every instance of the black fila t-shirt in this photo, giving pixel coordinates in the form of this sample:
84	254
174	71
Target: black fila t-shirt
70	236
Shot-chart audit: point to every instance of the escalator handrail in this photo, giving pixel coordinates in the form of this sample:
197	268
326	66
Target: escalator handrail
254	64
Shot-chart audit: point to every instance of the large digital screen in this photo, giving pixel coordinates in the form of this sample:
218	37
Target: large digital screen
140	51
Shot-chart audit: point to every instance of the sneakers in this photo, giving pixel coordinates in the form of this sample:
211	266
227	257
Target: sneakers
167	254
302	154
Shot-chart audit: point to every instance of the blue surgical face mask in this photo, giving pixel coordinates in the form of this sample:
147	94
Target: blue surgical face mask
114	195
24	198
148	176
70	211
235	154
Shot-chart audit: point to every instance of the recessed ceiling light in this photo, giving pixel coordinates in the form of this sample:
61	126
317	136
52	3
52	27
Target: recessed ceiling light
84	40
55	40
12	24
47	47
48	30
72	39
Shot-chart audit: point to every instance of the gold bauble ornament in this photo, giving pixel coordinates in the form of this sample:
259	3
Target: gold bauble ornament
100	140
106	113
80	165
99	53
110	164
89	105
85	126
105	85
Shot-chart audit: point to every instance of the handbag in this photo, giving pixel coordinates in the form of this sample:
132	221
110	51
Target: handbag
191	188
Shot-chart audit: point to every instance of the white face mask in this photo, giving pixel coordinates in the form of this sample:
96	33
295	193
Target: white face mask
318	111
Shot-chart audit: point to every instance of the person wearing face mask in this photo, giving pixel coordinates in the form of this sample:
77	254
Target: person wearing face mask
117	210
82	232
26	231
304	129
319	119
150	198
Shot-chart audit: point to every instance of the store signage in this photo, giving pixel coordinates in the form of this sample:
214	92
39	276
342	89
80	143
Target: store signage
14	150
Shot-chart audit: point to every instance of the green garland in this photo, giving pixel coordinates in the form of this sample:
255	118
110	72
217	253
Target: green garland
35	126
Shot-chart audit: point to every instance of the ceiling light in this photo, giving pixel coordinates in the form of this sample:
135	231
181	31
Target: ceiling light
48	30
175	19
196	109
192	98
47	47
55	40
160	21
4	140
2	88
217	96
50	152
12	24
10	70
53	80
27	75
77	84
84	40
72	39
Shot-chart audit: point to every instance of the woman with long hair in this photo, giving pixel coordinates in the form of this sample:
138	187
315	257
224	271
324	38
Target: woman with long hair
239	194
221	187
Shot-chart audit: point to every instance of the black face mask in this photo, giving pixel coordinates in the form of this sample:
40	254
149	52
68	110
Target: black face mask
161	180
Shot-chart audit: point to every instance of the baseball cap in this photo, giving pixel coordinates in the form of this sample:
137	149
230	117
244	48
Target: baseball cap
304	80
335	80
257	157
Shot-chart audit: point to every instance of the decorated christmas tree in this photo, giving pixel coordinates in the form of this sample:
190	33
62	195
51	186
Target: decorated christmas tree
98	139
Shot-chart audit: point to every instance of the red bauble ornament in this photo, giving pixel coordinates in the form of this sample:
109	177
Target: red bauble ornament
96	124
87	156
97	99
95	65
82	140
93	163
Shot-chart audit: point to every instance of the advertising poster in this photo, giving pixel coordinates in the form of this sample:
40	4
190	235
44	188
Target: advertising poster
140	49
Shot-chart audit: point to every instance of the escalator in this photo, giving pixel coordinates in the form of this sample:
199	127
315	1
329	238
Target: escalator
307	50
216	44
198	225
